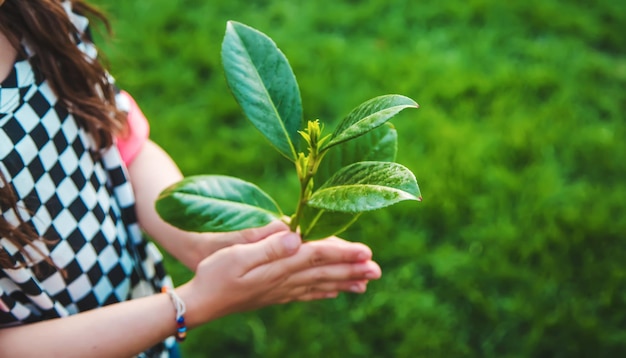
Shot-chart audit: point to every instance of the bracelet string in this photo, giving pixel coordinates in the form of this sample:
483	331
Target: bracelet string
179	305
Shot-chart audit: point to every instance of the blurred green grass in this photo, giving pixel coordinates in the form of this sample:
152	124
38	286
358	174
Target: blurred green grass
518	248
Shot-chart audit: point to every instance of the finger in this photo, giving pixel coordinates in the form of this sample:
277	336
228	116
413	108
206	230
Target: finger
315	296
255	234
327	252
328	290
352	251
310	296
326	287
275	247
336	273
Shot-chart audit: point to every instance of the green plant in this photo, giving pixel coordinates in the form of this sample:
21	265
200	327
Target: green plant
359	173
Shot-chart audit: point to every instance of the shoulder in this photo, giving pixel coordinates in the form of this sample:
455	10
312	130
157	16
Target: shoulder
7	57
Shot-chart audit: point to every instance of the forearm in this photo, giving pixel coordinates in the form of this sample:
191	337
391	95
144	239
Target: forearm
278	269
151	172
118	330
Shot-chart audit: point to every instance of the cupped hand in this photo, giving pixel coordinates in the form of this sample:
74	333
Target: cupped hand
278	269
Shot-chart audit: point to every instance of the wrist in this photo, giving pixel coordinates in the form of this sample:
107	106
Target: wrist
180	308
201	306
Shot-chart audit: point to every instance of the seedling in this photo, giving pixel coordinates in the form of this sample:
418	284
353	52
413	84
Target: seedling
341	175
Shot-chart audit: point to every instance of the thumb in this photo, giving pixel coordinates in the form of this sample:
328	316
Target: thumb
256	234
273	248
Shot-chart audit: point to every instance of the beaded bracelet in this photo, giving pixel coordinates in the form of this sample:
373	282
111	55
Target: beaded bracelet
181	328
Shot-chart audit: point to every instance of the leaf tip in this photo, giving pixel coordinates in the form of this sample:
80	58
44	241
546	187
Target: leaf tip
413	104
419	198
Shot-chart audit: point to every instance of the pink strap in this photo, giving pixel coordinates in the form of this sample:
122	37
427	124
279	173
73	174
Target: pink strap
131	142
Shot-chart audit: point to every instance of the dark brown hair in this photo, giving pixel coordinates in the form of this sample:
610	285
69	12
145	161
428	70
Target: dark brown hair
80	82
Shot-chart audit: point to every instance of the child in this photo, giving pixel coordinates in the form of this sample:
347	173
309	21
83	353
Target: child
78	181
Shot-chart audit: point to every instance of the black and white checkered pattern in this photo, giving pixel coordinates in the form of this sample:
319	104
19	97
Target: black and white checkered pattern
75	196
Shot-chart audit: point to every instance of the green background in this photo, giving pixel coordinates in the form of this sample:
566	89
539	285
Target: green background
519	148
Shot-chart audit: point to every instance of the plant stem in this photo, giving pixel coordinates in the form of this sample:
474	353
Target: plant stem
305	193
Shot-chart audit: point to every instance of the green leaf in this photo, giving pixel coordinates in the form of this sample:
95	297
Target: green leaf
264	85
318	224
380	144
368	116
216	203
366	186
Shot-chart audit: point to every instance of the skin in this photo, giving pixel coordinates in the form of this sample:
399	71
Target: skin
234	272
7	56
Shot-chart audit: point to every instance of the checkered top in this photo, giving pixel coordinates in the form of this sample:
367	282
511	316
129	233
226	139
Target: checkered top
74	195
